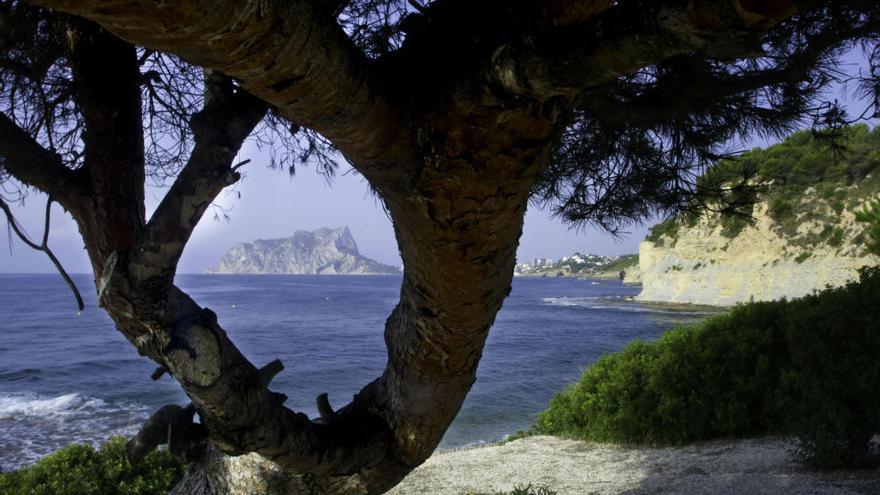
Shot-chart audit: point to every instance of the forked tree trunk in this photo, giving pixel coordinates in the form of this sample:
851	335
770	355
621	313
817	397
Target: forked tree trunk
453	147
216	473
457	215
458	236
457	204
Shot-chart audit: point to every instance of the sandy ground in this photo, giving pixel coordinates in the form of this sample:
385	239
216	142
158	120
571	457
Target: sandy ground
569	467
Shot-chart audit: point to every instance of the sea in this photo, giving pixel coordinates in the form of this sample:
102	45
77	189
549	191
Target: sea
72	377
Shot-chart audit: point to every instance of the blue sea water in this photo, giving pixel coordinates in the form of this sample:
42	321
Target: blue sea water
73	378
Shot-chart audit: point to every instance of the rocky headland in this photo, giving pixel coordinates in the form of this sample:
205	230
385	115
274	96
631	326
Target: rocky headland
322	252
802	235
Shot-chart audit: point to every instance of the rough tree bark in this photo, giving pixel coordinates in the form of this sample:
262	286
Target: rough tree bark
453	147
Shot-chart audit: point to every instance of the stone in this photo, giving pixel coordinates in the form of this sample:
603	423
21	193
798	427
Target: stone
322	252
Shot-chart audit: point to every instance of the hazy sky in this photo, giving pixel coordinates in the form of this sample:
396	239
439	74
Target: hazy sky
273	205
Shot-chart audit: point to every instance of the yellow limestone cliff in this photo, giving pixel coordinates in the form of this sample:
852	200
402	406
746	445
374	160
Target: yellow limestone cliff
700	265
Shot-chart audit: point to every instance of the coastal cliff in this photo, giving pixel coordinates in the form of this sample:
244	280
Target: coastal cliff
802	236
322	252
705	267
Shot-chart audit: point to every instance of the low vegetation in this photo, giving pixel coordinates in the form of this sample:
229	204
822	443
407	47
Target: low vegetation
524	490
664	231
82	470
806	368
622	263
587	265
803	179
871	216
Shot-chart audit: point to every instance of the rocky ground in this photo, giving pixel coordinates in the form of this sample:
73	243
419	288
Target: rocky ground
744	467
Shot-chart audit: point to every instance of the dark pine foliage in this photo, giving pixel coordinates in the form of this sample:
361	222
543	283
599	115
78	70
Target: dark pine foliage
636	146
633	147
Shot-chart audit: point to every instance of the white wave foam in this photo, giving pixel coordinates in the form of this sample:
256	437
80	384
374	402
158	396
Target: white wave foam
16	405
586	302
619	303
32	426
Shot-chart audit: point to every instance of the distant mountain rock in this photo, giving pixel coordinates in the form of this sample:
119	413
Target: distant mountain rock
322	252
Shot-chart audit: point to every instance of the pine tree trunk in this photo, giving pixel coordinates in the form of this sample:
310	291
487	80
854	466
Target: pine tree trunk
458	236
457	204
248	474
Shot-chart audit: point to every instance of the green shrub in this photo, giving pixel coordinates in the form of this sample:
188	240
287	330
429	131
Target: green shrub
807	367
731	226
830	388
667	228
81	470
871	216
835	237
694	383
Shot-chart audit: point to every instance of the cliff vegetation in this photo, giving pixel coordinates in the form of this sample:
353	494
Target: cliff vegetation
804	221
583	266
804	179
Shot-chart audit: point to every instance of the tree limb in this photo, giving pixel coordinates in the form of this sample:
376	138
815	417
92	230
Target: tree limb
113	141
219	129
286	53
44	246
631	35
174	425
325	410
26	160
692	88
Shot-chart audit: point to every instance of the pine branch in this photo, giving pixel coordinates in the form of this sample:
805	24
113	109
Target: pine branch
43	246
29	162
220	129
289	54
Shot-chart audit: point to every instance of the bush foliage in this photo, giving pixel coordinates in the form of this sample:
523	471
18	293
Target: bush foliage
871	215
82	470
806	367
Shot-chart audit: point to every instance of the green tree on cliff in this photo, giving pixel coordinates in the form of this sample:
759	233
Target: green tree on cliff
871	216
457	113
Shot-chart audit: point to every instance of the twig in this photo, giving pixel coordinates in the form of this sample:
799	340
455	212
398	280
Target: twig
418	6
161	370
240	164
268	372
324	409
43	246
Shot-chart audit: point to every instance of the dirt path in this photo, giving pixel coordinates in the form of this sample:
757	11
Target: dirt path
569	467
